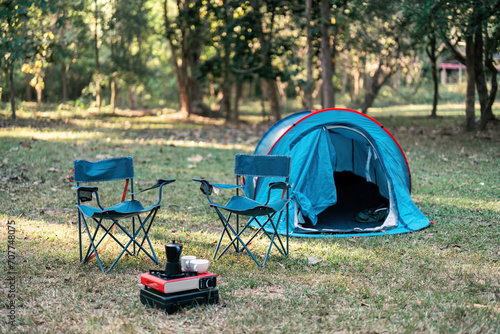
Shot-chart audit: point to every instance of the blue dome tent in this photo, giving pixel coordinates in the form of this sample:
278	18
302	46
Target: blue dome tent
345	166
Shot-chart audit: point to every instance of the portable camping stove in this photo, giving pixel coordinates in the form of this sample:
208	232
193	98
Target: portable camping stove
174	288
188	280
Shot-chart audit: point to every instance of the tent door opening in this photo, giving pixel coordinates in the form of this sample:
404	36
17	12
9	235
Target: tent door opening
360	183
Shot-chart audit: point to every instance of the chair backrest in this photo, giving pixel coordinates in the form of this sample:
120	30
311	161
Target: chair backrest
104	170
262	165
254	166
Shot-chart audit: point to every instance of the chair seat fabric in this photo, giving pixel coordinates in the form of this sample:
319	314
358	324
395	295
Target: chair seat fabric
123	209
247	207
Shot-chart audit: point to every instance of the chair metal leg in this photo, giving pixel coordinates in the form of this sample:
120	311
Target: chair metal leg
224	222
100	225
80	234
94	241
133	231
287	227
92	245
132	240
233	241
146	235
237	238
274	238
270	219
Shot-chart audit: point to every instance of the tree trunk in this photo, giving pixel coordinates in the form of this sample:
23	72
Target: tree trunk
274	96
493	91
112	99
326	57
376	82
97	67
482	89
64	82
263	90
355	87
132	98
27	80
237	98
12	90
266	38
431	53
471	84
345	77
491	46
195	90
308	100
225	102
39	89
435	81
180	65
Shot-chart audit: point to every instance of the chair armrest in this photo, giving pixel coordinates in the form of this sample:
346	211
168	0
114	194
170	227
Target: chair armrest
159	183
87	188
279	185
222	186
207	188
84	193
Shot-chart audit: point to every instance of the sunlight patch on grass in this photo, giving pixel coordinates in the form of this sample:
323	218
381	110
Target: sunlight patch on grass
460	202
425	110
48	135
200	144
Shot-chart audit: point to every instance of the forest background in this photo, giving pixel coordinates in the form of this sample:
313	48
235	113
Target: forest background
207	57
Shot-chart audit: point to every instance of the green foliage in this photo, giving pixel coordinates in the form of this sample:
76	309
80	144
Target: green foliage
127	37
233	41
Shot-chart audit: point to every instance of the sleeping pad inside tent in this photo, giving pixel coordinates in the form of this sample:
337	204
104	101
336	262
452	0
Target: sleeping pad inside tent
349	176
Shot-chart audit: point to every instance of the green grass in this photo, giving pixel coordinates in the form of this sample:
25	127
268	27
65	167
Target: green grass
444	279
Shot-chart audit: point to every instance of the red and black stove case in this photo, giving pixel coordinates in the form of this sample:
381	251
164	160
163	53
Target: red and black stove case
170	294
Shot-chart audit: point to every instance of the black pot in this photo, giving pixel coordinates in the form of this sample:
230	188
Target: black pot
174	266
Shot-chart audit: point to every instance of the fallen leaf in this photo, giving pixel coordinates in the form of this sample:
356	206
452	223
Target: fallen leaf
103	156
195	158
312	260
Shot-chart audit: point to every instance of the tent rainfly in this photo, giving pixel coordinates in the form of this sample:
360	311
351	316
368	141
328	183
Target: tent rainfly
349	176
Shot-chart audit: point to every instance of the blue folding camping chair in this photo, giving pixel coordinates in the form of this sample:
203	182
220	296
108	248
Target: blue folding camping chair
263	217
109	218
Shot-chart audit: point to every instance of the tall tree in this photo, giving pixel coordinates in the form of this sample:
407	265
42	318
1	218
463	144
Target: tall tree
186	33
434	50
248	42
474	21
309	86
381	34
265	13
427	18
97	63
24	36
327	55
128	31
